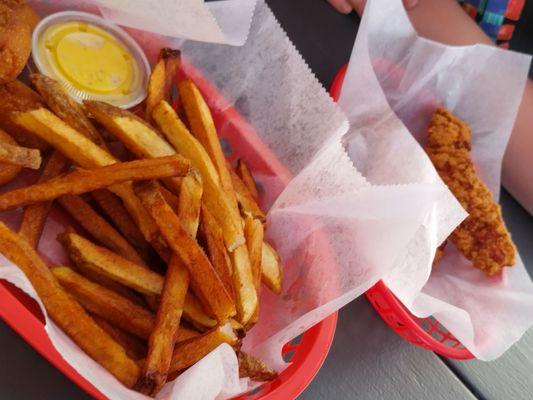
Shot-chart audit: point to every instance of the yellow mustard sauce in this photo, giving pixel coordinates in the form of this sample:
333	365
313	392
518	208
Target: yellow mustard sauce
88	58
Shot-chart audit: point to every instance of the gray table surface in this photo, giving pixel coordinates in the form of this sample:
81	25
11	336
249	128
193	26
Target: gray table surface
367	360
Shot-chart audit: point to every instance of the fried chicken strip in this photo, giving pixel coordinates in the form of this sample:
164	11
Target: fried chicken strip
482	237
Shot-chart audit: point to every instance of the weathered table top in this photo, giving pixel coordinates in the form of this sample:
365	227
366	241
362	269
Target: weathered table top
367	360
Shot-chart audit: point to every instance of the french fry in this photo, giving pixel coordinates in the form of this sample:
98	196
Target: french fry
253	232
271	270
160	83
214	241
110	284
102	266
98	227
214	197
17	155
111	265
8	171
74	145
244	173
82	181
190	351
247	203
86	154
34	215
190	201
173	297
17	97
245	293
254	368
134	347
112	307
115	211
65	107
204	280
106	303
66	312
167	321
195	314
218	203
171	198
136	134
203	128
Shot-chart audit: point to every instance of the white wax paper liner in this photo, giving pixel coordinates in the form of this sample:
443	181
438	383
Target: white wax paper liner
223	22
482	85
336	231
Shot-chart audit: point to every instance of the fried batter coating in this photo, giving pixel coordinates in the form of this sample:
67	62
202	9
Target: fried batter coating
17	21
481	237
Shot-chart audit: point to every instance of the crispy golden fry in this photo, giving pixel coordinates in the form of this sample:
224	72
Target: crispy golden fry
247	203
65	107
97	277
245	293
253	232
170	198
160	83
15	36
190	351
195	314
98	227
134	347
481	237
244	173
111	306
218	202
17	155
8	171
214	197
74	145
214	242
86	154
190	201
204	280
203	128
271	269
254	368
167	321
113	208
106	303
66	312
105	262
17	97
34	216
109	269
137	135
81	181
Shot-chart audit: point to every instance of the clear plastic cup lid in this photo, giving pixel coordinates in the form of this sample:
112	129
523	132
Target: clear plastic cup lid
92	58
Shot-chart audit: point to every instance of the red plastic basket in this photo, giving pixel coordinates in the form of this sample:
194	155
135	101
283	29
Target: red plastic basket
306	353
427	333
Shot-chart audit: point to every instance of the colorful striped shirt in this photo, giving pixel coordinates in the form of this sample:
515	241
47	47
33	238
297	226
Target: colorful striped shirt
496	17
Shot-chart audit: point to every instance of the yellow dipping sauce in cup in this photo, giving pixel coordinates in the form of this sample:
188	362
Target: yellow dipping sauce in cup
91	58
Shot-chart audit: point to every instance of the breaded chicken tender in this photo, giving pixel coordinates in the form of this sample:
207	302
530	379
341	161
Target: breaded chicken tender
482	237
17	21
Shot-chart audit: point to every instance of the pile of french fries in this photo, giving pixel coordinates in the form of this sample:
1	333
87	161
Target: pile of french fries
167	248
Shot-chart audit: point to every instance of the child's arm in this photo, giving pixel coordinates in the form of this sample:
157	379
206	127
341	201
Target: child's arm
454	26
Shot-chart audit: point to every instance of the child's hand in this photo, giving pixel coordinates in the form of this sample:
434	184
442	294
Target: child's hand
346	6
